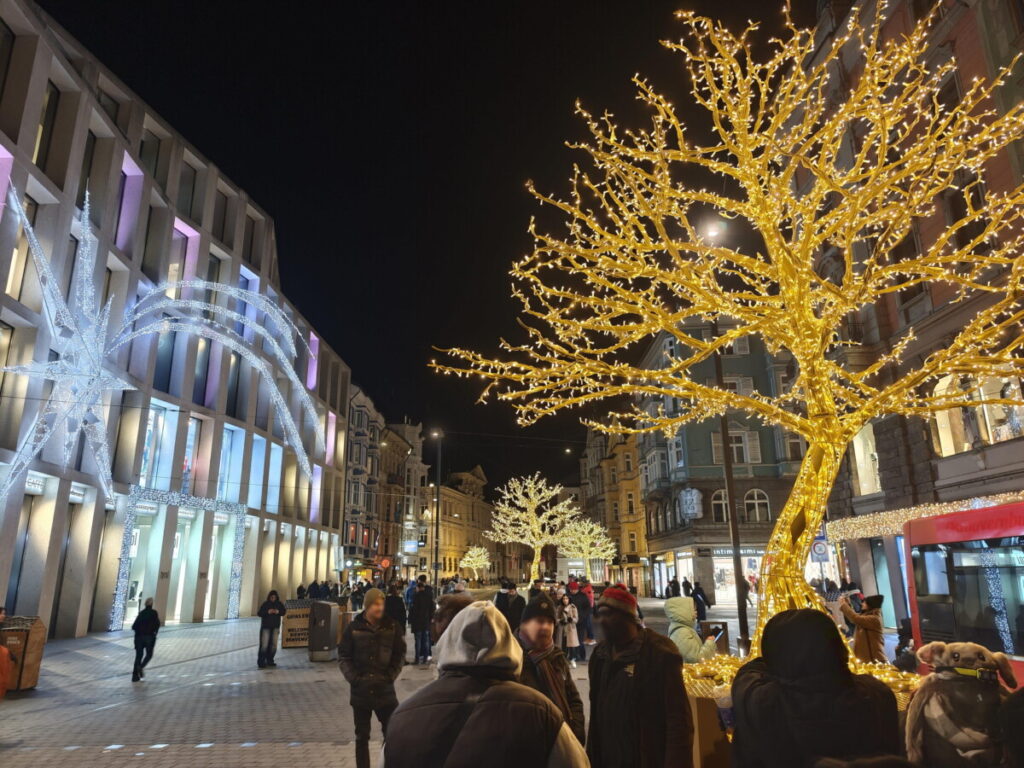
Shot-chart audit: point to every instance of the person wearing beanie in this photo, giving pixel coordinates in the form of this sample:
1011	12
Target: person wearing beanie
476	711
868	639
370	656
511	604
639	712
798	702
544	665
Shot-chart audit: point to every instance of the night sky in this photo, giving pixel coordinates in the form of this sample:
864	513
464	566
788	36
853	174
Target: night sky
390	142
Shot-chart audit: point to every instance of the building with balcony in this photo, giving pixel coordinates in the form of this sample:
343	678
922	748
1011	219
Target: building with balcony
416	502
610	494
682	481
363	500
209	509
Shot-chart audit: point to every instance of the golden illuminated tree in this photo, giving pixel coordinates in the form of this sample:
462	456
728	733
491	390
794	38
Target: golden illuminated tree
587	540
528	511
830	174
476	558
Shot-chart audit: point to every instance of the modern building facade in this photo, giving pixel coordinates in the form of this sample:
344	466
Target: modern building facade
610	494
682	480
209	509
897	468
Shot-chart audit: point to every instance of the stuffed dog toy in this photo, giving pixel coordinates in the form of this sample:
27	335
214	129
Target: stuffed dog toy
951	721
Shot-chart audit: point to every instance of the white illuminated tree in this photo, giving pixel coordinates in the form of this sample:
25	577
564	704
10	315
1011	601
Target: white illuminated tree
529	512
477	558
586	540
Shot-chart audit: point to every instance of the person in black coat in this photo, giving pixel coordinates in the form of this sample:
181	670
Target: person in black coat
394	606
301	592
511	604
146	625
798	702
270	614
420	615
700	601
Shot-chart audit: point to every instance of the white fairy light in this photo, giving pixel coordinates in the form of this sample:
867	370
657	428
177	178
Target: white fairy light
80	375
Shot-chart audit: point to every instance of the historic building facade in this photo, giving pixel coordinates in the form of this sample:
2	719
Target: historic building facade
610	494
209	509
900	465
682	481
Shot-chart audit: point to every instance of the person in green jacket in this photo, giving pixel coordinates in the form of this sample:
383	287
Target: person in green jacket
682	630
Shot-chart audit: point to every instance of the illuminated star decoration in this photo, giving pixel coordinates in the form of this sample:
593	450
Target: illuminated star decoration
79	377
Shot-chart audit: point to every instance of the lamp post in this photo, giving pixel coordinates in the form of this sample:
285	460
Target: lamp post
714	230
438	435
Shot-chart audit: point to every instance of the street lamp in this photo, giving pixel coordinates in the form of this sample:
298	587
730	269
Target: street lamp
437	435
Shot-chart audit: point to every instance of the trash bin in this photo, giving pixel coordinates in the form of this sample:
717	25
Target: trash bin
24	637
711	628
323	632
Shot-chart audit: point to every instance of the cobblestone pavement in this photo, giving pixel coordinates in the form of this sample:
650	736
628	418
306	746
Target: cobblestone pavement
203	703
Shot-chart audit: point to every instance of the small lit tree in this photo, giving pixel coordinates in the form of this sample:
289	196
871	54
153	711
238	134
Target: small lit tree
588	540
835	178
476	558
528	511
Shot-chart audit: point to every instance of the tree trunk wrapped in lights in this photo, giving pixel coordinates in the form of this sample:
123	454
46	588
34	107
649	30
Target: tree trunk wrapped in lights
586	540
528	511
830	175
476	558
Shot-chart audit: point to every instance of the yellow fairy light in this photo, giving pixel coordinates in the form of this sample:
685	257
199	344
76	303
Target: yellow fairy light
831	178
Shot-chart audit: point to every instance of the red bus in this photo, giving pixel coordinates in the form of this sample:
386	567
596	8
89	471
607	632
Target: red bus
965	579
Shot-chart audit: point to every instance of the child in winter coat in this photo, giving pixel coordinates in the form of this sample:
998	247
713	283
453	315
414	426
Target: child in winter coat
682	630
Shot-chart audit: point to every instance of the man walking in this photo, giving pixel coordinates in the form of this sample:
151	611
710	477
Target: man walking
371	655
584	610
146	625
475	711
511	604
544	665
420	615
270	614
639	713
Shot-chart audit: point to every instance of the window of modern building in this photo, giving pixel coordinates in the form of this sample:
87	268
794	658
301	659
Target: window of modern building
176	260
220	217
202	371
6	334
164	360
186	189
47	120
274	478
254	497
720	506
865	461
83	178
192	437
6	50
21	259
158	446
249	242
149	151
232	450
311	363
151	248
108	104
231	406
757	507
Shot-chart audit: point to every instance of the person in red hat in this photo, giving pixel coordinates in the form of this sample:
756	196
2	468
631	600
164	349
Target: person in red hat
639	713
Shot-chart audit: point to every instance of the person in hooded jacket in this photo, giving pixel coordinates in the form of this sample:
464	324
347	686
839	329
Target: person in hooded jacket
682	630
476	709
270	614
798	702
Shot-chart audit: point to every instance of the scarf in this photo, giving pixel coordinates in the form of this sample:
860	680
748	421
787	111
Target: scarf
550	678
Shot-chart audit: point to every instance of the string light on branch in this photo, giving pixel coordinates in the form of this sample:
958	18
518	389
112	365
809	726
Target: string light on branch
828	179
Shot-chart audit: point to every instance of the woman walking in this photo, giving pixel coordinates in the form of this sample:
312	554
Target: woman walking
566	636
